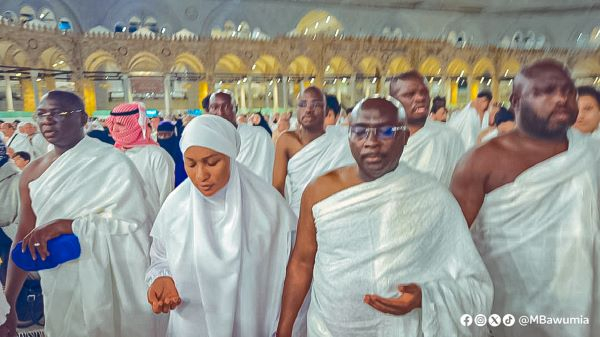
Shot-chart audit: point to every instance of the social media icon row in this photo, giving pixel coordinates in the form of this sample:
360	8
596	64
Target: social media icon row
493	320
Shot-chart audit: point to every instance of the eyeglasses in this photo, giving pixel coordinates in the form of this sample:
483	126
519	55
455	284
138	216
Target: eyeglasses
314	105
56	115
358	132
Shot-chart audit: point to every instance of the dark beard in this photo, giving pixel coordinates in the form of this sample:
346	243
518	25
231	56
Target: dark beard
537	126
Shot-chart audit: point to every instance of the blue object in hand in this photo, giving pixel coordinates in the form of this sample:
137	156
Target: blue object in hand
62	249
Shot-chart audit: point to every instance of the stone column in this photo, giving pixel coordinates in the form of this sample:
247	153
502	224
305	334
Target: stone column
9	99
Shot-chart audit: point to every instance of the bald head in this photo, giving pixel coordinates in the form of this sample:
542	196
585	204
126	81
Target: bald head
377	136
223	104
386	107
67	100
544	99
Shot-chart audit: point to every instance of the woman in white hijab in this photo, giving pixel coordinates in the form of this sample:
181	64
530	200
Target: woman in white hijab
220	242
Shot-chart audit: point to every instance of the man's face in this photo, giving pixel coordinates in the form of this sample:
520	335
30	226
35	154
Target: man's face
7	129
440	115
311	110
20	162
547	105
483	103
589	114
376	152
62	126
28	129
222	106
414	96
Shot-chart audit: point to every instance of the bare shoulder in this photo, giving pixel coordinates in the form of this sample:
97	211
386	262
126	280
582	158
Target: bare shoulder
331	183
289	141
36	168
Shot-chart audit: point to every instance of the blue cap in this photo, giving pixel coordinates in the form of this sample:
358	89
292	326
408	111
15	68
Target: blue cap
62	249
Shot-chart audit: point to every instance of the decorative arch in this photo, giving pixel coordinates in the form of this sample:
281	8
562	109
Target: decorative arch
13	55
338	66
54	58
302	65
398	65
145	61
230	64
509	67
484	66
266	64
458	67
586	67
189	62
370	66
431	66
100	61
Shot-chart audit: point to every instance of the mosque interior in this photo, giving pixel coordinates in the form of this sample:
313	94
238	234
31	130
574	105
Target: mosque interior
172	54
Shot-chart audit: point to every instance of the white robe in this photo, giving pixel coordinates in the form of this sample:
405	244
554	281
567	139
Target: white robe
102	292
539	237
40	145
227	255
435	149
466	122
157	169
401	228
19	142
326	153
9	200
257	151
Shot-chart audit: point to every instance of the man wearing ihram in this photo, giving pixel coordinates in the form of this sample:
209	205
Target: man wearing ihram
389	249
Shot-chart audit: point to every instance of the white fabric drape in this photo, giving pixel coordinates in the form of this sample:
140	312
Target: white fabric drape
326	153
157	170
257	151
435	149
539	239
401	228
467	123
102	292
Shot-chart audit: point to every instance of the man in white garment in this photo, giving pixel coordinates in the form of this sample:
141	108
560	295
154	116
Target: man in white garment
306	153
532	199
9	190
386	247
471	120
258	151
588	119
128	126
432	147
89	189
220	243
39	145
310	151
15	141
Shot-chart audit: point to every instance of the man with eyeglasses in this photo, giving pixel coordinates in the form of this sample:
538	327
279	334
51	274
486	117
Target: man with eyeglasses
432	147
385	246
257	151
87	188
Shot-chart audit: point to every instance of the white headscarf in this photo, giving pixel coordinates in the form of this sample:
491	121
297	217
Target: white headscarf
212	132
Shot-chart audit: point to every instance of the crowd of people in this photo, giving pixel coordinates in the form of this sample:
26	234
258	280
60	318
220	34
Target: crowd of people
393	219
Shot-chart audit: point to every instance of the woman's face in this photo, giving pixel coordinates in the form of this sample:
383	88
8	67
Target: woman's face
255	119
207	169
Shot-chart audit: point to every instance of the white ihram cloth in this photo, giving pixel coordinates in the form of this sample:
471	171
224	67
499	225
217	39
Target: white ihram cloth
435	149
402	228
226	253
157	169
326	153
539	239
101	293
19	142
466	122
39	145
9	202
257	151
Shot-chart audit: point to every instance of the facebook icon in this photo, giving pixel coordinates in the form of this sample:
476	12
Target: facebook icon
466	320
